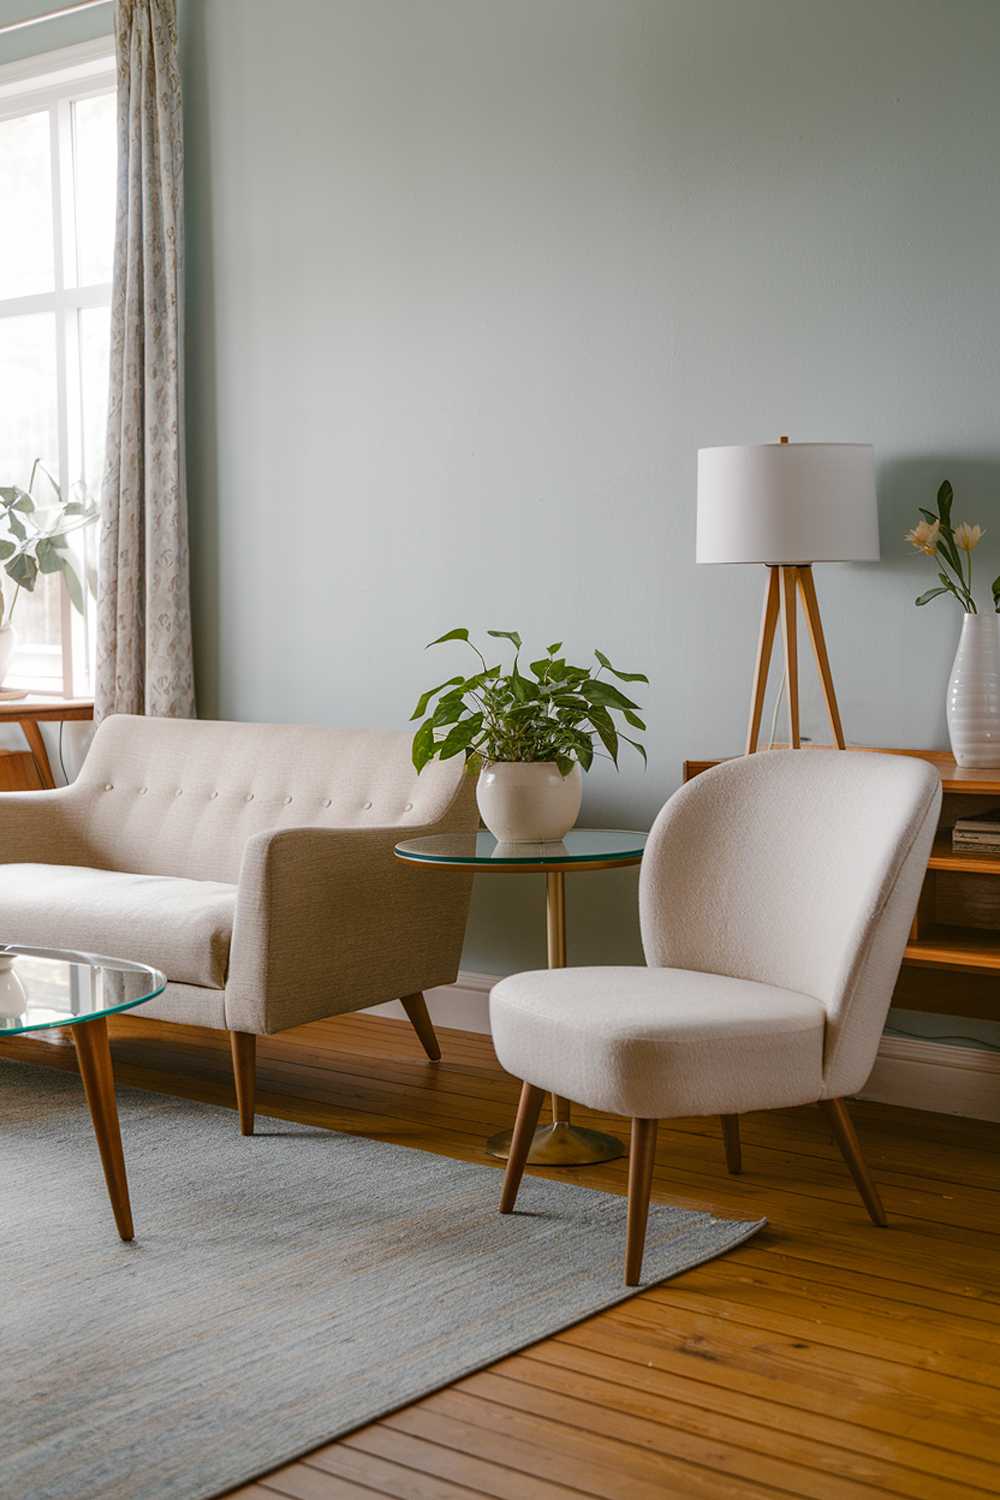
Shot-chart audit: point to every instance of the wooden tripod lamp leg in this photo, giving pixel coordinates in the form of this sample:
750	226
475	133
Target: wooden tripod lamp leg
810	603
765	647
789	607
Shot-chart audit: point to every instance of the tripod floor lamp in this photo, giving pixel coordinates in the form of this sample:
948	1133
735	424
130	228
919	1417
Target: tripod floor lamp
788	505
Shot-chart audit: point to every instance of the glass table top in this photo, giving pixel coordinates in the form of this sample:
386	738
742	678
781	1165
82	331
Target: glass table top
579	847
42	987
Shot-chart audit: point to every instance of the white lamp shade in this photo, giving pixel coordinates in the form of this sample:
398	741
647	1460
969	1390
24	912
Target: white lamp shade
787	503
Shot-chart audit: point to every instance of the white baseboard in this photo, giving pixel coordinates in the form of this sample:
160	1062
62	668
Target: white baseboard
937	1076
920	1075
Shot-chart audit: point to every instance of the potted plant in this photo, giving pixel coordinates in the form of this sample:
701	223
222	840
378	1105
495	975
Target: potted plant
33	532
973	702
529	734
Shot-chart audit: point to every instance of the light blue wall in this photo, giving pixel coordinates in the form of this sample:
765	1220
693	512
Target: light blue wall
471	282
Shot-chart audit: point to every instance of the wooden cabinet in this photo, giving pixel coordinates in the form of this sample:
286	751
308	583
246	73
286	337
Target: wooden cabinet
952	961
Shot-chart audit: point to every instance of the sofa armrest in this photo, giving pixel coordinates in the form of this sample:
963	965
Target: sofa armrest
41	828
329	920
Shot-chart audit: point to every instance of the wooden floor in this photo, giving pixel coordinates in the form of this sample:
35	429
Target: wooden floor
825	1358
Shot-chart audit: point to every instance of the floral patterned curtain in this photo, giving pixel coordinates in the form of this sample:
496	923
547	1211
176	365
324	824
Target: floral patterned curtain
144	663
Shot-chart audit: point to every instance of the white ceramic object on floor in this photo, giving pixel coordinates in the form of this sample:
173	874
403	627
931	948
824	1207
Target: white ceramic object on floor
974	693
8	640
12	996
527	802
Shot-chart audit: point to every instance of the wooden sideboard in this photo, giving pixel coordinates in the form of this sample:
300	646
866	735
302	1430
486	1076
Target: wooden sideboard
29	770
952	962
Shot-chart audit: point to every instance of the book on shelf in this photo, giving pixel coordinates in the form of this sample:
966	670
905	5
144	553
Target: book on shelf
979	833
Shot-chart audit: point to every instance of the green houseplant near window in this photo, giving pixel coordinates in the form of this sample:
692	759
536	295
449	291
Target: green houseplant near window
529	734
33	532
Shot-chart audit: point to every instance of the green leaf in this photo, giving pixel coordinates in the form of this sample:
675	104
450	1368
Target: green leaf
7	549
541	667
636	746
565	764
634	720
606	694
24	502
73	584
933	594
451	635
945	496
929	515
423	745
996	593
461	737
425	698
16	527
622	676
49	560
8	494
506	635
556	646
606	731
24	570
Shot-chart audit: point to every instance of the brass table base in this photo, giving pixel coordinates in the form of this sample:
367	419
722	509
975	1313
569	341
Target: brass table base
561	1145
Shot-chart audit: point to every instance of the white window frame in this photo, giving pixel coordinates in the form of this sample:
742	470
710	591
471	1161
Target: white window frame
53	82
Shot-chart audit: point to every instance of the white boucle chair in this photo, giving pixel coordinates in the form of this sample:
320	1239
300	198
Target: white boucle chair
776	895
253	865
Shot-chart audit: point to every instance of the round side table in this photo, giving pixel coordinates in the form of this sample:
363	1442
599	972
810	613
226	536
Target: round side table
561	1144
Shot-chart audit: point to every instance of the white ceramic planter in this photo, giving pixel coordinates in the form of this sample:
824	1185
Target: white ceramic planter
974	693
527	802
8	640
12	997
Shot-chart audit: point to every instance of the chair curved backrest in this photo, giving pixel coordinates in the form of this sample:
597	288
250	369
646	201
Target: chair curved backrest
801	869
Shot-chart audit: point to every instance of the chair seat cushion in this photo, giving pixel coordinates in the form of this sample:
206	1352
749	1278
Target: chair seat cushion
182	927
659	1043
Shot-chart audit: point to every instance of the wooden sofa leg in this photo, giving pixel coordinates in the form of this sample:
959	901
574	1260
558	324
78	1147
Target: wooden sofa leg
850	1148
416	1009
641	1157
243	1045
528	1111
731	1141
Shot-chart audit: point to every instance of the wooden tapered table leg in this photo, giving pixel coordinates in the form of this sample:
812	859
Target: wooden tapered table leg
94	1056
561	1144
36	745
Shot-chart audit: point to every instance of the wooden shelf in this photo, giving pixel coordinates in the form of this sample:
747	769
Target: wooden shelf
969	948
968	862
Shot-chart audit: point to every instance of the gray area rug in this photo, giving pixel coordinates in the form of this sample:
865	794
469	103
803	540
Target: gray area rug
281	1290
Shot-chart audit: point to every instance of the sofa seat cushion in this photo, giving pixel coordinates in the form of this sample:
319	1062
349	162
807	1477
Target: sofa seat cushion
659	1043
182	927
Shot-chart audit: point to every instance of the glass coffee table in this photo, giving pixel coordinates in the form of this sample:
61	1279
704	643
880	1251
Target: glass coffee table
561	1144
42	988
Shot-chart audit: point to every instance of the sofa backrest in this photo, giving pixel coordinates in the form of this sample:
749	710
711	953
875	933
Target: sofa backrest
183	796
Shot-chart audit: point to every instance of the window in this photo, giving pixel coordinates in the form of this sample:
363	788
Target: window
57	185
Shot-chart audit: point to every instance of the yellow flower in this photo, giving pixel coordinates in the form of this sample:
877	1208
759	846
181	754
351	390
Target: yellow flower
924	537
968	537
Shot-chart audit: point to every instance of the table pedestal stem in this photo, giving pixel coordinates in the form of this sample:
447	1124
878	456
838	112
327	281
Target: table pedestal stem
560	1144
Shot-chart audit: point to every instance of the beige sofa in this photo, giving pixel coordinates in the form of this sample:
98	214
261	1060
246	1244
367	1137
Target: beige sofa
252	864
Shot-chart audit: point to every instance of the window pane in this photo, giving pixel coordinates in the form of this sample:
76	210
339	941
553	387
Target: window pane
26	253
29	430
95	157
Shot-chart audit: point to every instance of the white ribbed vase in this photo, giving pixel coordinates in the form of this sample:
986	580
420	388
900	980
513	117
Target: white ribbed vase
8	640
528	802
974	693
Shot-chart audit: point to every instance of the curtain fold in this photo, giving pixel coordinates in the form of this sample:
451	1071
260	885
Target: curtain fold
144	660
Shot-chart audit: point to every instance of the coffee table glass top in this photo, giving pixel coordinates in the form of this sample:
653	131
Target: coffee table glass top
581	846
42	987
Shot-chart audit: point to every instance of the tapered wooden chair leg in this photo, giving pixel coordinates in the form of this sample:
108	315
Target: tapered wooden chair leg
416	1009
850	1147
243	1045
528	1111
731	1141
641	1157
